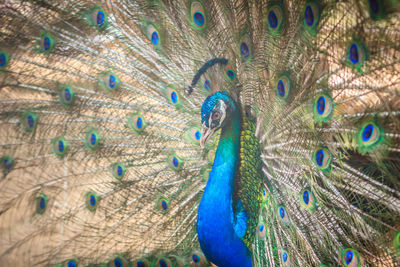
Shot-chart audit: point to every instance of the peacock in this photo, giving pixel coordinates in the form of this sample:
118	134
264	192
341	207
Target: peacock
199	133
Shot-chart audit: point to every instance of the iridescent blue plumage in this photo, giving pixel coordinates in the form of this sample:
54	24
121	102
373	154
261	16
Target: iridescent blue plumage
154	38
321	105
210	103
244	49
2	60
199	18
354	53
218	198
272	19
309	16
367	133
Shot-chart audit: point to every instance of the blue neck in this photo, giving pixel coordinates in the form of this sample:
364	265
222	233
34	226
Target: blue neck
215	220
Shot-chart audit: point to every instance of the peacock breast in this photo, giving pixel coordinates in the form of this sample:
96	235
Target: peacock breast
215	224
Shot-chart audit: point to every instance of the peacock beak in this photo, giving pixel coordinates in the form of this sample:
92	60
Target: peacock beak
206	133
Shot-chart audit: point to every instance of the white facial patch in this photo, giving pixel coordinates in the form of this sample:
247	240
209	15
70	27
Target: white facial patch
223	110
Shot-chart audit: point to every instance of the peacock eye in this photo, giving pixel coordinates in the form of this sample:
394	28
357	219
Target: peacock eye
357	54
283	215
59	146
198	258
41	203
29	122
118	261
66	95
245	47
98	17
136	122
193	135
198	15
4	59
141	263
322	158
118	170
92	139
153	35
283	87
6	163
216	115
369	136
91	201
351	257
285	258
311	16
46	43
308	200
164	262
163	204
323	108
275	19
261	230
71	263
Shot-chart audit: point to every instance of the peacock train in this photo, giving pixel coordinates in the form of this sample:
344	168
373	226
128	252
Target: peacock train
174	133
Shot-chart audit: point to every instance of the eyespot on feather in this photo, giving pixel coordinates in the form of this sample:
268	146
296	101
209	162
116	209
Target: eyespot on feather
311	16
164	262
143	262
4	59
29	122
245	47
59	146
153	35
118	261
46	43
260	230
92	139
71	263
282	215
92	201
283	87
136	122
323	108
275	18
198	16
285	258
173	96
109	81
322	159
351	258
357	55
370	136
175	162
97	17
118	170
41	203
7	163
308	200
66	95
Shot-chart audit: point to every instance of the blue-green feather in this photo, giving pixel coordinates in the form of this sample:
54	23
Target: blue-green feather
218	200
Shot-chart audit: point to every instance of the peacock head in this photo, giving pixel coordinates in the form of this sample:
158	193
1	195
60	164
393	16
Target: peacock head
216	108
